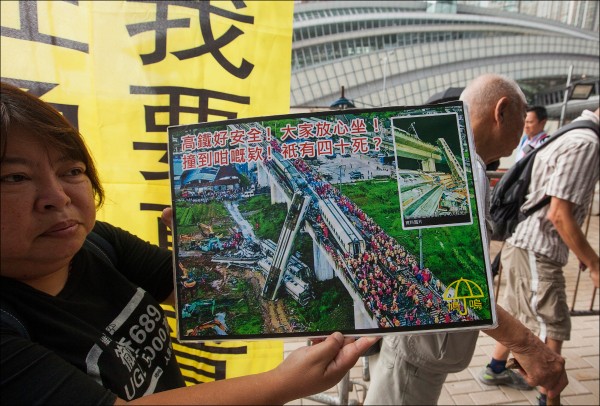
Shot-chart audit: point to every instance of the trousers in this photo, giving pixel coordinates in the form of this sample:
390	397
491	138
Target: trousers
412	369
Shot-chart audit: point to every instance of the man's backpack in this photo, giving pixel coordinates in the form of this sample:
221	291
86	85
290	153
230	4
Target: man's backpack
510	192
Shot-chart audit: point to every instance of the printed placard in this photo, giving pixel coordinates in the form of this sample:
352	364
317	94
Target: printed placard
301	225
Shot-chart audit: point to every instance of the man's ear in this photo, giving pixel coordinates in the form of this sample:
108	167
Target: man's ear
501	110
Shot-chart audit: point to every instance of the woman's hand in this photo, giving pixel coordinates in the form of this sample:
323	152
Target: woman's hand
167	217
316	368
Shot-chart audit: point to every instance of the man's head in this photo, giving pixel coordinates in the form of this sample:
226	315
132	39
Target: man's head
535	120
497	109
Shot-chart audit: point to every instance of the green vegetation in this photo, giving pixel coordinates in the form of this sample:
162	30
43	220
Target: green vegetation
245	312
329	311
189	216
304	245
237	300
244	181
379	199
267	219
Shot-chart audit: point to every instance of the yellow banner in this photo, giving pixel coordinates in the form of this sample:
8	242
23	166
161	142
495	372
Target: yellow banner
211	361
123	71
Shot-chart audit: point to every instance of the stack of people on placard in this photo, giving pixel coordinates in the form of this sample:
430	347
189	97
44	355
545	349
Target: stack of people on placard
394	289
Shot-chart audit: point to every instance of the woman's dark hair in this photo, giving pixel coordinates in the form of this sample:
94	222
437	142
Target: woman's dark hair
21	109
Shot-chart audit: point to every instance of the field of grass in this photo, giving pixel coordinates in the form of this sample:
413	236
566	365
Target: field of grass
269	218
331	310
188	216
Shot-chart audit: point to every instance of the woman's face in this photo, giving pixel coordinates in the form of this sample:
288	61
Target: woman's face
47	207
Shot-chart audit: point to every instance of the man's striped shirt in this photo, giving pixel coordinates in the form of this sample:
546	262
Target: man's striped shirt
566	169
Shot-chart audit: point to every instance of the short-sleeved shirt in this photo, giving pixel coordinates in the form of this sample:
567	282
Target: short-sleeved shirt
526	145
104	335
566	169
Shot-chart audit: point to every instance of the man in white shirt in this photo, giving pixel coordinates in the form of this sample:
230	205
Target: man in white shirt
534	256
534	136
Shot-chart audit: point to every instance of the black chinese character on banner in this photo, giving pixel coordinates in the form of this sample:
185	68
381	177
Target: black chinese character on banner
160	25
29	31
211	44
174	109
220	367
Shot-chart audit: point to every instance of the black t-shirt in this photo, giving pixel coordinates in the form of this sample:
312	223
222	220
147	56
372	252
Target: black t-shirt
103	335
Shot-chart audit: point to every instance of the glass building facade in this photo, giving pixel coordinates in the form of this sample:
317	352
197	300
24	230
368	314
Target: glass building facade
402	52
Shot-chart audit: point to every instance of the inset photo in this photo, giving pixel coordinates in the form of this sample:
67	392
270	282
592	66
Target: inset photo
432	182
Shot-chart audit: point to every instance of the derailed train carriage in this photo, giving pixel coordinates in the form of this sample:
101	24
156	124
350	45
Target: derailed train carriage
287	172
350	240
294	279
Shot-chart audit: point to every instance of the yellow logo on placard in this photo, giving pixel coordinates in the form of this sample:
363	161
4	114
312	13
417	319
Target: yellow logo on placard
461	291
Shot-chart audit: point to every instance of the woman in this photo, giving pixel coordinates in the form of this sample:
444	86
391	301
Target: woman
75	328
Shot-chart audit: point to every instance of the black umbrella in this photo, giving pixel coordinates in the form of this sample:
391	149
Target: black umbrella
450	94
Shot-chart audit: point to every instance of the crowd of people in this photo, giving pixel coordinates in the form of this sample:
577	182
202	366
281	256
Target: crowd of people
395	290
